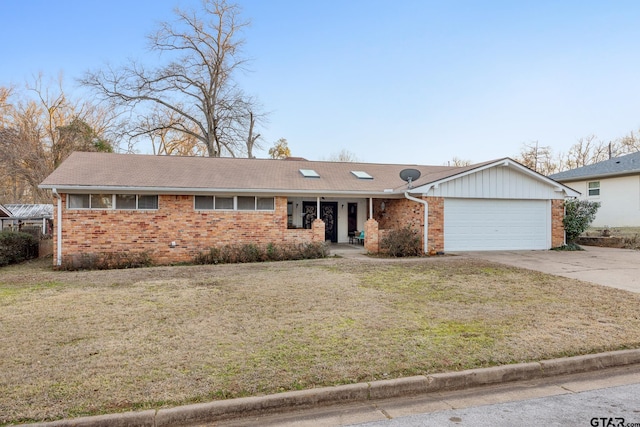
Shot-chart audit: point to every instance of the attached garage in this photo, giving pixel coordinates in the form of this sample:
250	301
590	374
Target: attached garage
500	205
496	224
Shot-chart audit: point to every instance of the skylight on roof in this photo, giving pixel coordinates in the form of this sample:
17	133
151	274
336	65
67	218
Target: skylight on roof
362	175
309	173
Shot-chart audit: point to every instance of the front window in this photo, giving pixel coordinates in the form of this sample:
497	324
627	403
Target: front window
147	202
101	201
594	188
113	201
224	202
229	203
266	204
204	202
246	203
79	201
125	201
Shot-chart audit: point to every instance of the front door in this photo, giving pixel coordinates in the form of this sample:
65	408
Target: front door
328	213
353	217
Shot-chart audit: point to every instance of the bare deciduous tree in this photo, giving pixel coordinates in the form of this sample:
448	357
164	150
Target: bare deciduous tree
538	157
39	129
343	155
456	161
204	51
628	144
585	151
166	140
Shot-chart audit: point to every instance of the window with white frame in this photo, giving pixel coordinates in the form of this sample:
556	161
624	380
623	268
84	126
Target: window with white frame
203	202
265	203
79	201
246	203
113	201
224	203
240	203
594	188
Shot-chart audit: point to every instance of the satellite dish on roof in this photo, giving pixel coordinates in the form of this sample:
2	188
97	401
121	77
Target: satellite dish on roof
409	175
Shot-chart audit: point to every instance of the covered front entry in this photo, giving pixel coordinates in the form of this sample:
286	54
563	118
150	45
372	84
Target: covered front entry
328	214
496	224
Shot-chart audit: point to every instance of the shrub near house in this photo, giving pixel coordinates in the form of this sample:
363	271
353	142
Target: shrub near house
579	214
17	247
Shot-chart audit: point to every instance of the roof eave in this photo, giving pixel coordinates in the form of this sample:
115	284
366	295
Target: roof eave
6	212
598	176
75	189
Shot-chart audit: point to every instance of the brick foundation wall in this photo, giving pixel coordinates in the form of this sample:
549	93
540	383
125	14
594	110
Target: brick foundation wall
557	226
152	231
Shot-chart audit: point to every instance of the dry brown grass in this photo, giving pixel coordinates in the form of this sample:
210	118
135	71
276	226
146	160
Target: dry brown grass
79	343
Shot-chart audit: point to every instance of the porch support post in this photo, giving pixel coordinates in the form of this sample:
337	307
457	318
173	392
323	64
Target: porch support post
318	207
370	207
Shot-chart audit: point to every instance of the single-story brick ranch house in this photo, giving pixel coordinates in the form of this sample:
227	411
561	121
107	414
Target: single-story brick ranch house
177	207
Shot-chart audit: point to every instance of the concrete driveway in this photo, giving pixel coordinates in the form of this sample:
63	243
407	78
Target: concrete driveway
618	268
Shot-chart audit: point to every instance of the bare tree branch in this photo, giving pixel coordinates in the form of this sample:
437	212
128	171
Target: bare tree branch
39	129
204	51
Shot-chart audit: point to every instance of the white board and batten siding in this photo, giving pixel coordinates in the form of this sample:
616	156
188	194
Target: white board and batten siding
500	182
499	208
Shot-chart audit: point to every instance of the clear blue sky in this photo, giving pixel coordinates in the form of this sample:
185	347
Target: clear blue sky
393	82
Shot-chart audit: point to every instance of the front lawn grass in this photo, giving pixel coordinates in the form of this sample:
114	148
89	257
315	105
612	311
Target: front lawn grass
86	343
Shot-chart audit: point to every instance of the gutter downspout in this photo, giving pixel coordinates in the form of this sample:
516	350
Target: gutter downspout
58	228
426	218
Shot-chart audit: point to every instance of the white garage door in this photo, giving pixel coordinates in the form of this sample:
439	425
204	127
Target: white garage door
496	224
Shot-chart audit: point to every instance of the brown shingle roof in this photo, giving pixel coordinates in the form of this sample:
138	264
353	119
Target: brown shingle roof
163	173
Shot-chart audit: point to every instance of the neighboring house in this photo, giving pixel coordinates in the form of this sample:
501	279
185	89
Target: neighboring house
5	215
177	207
615	183
17	216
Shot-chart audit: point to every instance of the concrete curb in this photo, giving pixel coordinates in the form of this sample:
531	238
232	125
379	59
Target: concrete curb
361	392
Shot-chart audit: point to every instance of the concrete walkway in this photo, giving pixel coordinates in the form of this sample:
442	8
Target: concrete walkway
617	268
347	250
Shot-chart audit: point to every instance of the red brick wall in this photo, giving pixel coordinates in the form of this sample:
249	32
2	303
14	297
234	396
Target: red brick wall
399	213
176	220
435	236
371	236
557	227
